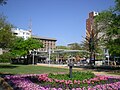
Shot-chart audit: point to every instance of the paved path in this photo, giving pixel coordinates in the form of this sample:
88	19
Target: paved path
82	69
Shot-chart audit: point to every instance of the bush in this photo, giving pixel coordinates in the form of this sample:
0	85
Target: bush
5	58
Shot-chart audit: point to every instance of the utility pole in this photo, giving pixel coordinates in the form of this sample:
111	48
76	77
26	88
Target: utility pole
30	26
33	57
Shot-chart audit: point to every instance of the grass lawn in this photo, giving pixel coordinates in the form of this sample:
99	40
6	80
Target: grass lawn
29	69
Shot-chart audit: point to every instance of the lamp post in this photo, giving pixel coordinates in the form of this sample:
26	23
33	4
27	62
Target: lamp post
49	52
70	68
108	58
33	56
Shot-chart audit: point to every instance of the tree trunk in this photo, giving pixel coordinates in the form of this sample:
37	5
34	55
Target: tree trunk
94	58
90	59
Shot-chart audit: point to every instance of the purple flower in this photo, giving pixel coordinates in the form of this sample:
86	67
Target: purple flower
24	82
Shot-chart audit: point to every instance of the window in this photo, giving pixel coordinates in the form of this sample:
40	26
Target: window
27	33
15	33
106	50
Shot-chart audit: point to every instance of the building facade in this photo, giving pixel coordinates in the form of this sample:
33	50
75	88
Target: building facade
90	24
48	43
25	34
40	55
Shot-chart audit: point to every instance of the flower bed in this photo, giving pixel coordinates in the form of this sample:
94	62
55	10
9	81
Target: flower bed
49	82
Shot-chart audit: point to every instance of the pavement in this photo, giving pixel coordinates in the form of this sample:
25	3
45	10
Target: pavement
81	69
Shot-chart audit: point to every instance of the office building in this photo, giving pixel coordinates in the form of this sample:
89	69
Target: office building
48	43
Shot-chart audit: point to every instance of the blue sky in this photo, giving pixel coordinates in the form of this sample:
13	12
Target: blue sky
64	20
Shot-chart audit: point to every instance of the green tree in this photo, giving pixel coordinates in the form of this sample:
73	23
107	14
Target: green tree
91	44
21	47
6	37
75	46
114	36
117	6
3	2
109	25
62	47
5	58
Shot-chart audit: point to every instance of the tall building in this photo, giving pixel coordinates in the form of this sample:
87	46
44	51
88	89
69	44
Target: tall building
21	33
90	24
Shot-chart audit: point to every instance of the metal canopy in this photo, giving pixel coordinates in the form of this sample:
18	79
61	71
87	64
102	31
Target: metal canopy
69	51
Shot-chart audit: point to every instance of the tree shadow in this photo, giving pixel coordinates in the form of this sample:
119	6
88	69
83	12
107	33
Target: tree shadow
100	68
5	74
8	66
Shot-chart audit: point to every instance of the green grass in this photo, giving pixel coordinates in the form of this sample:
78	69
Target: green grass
75	76
29	69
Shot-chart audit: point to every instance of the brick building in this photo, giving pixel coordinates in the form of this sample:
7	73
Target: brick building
48	43
90	24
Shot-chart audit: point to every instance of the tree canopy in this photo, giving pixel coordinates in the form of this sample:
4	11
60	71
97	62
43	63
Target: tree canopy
109	25
62	47
117	6
3	2
6	37
21	47
75	46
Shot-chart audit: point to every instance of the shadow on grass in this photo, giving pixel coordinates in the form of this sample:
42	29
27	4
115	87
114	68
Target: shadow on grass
8	66
5	74
2	74
100	68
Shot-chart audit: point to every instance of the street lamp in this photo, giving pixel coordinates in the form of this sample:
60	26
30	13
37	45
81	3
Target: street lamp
108	57
33	56
70	68
49	52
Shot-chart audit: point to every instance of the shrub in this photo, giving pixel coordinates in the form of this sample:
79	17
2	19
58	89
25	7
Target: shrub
5	58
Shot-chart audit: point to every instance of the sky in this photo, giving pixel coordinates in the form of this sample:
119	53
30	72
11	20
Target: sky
64	20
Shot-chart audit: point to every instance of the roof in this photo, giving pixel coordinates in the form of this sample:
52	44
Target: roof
43	38
69	51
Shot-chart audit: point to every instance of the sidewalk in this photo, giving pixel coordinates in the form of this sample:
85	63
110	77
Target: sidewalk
53	65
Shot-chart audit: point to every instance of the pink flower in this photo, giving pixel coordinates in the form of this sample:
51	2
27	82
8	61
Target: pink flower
89	88
78	81
75	81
